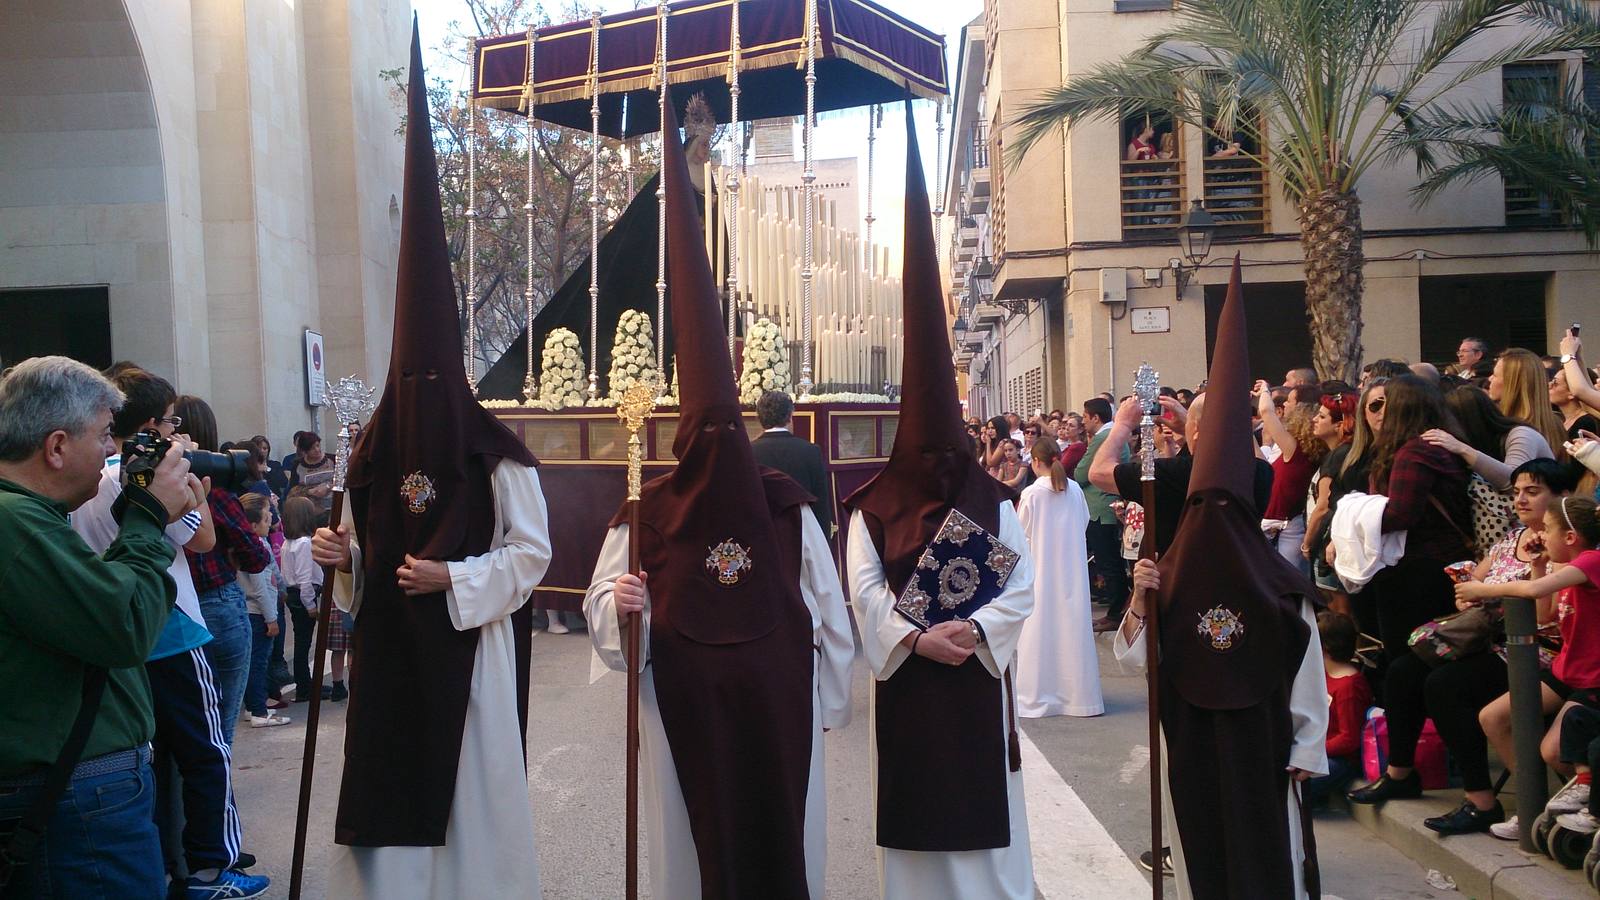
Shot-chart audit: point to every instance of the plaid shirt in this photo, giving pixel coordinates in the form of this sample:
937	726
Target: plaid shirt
217	566
1421	472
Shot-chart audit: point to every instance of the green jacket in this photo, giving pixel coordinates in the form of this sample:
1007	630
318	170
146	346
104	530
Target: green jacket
62	608
1099	501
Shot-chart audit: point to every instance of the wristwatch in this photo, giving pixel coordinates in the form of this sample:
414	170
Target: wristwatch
1566	358
977	632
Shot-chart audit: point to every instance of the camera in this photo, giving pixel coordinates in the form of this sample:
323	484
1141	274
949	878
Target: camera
144	451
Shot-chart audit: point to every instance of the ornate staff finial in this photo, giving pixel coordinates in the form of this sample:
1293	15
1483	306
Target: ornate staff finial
352	402
1147	387
635	406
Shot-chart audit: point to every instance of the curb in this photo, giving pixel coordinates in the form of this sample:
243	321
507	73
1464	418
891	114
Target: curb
1484	867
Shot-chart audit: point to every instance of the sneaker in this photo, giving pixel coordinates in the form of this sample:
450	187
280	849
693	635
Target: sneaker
1581	822
1508	830
1147	861
229	885
339	692
556	626
270	720
1573	797
1386	788
1467	819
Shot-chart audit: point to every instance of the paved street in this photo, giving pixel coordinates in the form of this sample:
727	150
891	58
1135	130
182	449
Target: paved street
1085	781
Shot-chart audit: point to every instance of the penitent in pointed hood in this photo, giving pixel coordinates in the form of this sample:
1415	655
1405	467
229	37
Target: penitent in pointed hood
1225	456
415	452
932	467
712	510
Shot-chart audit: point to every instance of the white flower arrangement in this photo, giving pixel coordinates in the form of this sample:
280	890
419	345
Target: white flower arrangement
499	404
766	366
561	377
633	354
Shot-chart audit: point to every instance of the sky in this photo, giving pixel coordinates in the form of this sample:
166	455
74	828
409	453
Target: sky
838	134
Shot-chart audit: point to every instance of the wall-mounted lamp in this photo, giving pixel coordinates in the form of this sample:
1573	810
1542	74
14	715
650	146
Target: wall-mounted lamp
1194	238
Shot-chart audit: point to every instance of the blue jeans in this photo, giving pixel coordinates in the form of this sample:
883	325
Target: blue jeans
1342	770
255	689
229	650
102	843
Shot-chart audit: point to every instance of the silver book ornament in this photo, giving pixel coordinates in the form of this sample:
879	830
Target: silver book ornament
1147	388
352	402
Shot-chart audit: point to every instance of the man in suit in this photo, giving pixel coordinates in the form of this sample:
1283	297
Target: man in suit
779	448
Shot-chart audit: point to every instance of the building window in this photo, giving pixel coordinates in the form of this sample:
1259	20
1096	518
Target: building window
1531	88
1152	175
1235	181
1032	391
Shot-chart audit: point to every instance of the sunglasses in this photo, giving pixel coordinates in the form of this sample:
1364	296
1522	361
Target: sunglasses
1375	406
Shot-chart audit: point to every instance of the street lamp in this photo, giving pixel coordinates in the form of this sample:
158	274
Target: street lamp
1194	238
982	279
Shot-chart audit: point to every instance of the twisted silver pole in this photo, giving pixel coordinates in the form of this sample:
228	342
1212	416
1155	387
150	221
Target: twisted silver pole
529	386
661	196
808	179
939	179
472	233
734	179
594	205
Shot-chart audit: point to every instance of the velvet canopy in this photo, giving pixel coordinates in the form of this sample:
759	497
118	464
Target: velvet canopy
866	54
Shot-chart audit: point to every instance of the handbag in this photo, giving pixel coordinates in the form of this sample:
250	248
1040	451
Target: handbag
1492	512
1453	637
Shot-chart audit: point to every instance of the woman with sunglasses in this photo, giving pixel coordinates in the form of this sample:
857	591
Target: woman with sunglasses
1426	486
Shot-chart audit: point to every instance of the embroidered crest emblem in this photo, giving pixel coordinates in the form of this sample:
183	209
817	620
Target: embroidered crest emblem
418	491
1221	627
958	582
728	561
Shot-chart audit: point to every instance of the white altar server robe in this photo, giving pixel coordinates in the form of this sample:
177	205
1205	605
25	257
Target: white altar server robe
1004	873
1308	710
489	848
1058	671
674	866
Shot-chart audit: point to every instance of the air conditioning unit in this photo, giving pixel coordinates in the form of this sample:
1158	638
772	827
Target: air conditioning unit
1113	285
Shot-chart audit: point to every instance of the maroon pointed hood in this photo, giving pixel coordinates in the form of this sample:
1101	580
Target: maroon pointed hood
1225	457
715	495
932	467
427	422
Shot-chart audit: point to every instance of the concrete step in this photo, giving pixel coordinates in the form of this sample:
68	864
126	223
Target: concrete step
1483	866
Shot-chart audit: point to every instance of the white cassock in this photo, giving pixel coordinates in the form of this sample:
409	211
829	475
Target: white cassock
1004	873
1308	710
489	848
1058	670
674	866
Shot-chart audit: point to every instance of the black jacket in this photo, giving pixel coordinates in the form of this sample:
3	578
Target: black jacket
801	460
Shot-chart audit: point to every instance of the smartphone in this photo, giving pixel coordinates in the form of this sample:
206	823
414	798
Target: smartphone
1574	329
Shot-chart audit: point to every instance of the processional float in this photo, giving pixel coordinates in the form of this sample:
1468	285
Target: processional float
749	59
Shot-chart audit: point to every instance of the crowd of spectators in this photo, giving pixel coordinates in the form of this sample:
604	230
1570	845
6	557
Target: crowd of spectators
1488	468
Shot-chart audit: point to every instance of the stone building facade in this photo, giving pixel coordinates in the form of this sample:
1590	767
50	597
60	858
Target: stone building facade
1062	266
193	184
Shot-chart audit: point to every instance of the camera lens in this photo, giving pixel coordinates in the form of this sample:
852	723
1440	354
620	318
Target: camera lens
226	470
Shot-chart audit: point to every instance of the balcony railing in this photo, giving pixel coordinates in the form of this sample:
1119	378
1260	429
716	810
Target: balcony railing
1152	196
1235	192
1526	208
978	147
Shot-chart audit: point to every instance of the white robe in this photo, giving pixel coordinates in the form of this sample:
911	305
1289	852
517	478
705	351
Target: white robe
1058	669
1004	873
674	866
489	848
1308	711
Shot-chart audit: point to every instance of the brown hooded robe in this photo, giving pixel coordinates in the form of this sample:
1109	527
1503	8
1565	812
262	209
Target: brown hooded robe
1232	640
731	652
420	484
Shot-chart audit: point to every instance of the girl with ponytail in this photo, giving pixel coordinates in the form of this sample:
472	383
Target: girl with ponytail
1057	670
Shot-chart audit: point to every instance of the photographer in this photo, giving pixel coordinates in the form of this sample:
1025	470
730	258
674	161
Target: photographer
182	687
75	628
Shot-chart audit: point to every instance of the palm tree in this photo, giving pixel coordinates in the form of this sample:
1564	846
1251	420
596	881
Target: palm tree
1334	87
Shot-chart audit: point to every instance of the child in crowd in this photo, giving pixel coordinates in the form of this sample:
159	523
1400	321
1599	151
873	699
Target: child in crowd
1572	532
300	519
1580	747
1349	696
261	596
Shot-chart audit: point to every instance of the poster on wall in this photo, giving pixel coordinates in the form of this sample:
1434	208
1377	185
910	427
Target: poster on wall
316	377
